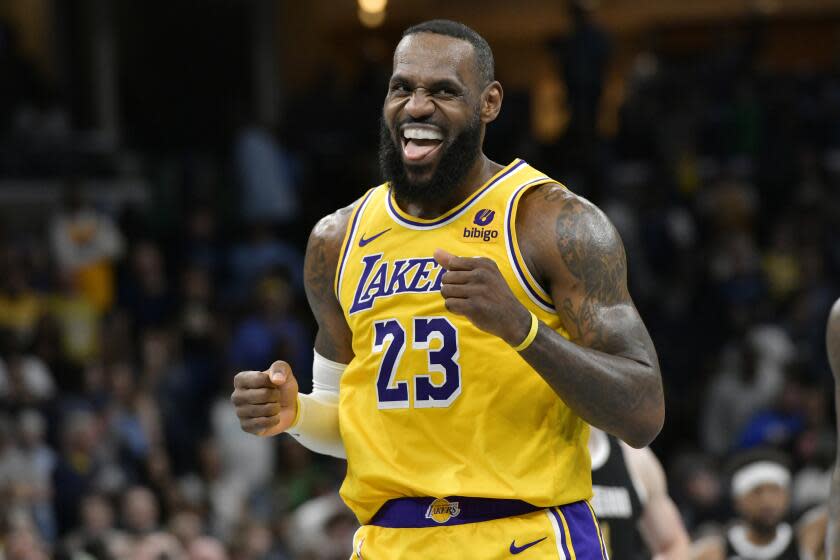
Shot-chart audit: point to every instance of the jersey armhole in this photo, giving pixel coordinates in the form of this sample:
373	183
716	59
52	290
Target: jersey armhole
347	243
535	292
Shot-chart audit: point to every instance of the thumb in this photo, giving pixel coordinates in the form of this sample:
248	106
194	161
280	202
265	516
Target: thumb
443	257
279	372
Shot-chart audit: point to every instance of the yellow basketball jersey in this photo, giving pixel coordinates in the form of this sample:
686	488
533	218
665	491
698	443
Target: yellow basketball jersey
430	405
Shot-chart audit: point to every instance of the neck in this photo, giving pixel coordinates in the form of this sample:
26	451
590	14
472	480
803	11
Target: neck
480	172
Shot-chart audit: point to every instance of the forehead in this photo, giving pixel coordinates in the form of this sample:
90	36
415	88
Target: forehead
429	56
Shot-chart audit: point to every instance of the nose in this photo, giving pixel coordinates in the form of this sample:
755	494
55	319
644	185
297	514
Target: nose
419	105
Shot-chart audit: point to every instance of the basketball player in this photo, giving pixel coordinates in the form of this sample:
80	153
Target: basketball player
475	317
832	342
761	494
630	498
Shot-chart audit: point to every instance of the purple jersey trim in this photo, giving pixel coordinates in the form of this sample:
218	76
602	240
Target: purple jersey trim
466	205
349	246
536	295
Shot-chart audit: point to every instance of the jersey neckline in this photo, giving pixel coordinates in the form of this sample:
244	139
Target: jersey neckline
413	222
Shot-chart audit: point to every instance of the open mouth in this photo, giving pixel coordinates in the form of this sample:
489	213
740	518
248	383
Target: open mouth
420	143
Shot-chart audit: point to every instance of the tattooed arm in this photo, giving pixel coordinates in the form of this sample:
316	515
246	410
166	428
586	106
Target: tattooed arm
832	342
608	373
333	340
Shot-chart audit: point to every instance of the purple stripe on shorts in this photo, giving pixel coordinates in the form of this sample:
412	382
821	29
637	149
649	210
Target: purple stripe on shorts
562	532
583	530
408	513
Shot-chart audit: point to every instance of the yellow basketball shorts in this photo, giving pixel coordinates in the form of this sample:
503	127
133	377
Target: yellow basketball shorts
479	529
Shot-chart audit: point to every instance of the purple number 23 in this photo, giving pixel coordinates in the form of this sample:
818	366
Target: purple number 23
443	359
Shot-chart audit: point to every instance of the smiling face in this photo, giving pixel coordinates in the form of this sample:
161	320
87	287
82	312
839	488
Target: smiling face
434	115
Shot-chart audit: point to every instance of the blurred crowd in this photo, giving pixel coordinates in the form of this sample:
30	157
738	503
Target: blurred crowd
122	325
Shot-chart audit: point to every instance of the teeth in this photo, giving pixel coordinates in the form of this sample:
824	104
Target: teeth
417	133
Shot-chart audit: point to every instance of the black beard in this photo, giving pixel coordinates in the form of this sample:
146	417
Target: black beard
455	162
763	527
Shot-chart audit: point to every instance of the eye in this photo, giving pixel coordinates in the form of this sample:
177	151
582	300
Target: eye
398	88
446	92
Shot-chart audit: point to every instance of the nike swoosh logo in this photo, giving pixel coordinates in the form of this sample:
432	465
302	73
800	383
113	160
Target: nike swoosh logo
363	241
517	549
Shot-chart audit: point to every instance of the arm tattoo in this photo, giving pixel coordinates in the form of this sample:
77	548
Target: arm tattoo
598	264
608	374
319	275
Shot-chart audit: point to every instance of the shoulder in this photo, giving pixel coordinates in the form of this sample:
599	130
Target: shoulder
323	250
570	215
554	222
331	228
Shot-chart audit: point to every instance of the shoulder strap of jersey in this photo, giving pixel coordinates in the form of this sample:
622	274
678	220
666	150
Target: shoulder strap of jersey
350	235
535	292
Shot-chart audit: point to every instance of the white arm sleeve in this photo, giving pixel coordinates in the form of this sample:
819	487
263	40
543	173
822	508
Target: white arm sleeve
316	426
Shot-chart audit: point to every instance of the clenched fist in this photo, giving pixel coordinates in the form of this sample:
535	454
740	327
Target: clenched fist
475	288
266	401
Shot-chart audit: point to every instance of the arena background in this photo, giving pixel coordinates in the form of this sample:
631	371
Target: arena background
161	165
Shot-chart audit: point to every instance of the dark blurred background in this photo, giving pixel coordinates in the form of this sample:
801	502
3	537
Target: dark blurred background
161	166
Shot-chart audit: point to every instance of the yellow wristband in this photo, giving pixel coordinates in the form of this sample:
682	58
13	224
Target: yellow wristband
297	412
532	334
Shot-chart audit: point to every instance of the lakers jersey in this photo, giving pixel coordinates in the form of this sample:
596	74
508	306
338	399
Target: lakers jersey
431	405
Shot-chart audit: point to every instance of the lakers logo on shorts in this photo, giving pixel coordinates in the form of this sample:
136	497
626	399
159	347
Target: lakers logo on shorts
441	510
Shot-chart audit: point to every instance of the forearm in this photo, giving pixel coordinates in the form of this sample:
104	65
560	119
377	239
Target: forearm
317	427
620	395
316	422
676	549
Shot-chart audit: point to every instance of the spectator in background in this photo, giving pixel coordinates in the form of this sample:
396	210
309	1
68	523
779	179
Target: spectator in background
133	418
76	323
23	543
272	330
761	494
140	512
145	292
206	548
38	462
25	380
750	379
86	243
97	529
323	528
260	255
77	467
265	171
20	306
201	247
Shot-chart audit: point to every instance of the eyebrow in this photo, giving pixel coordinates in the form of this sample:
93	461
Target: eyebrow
436	85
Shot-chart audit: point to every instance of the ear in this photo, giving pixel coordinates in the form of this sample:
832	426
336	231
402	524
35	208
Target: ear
491	102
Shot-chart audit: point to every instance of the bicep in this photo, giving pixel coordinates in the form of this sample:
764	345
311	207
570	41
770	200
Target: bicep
582	259
333	340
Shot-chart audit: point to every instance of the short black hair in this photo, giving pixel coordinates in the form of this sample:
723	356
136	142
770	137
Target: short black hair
483	54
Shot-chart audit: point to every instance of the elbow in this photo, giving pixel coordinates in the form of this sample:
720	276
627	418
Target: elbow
645	429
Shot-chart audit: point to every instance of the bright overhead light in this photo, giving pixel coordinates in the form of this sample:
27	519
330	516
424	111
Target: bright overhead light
371	19
372	6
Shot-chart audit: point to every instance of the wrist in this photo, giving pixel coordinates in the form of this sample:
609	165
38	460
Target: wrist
520	327
298	410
